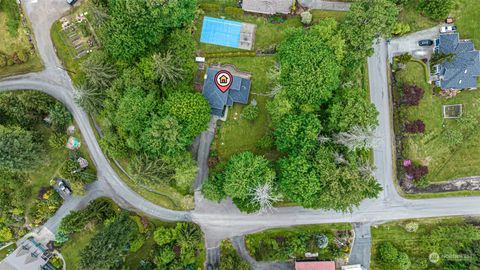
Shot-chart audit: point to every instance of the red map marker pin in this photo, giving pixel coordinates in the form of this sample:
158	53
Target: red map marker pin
223	80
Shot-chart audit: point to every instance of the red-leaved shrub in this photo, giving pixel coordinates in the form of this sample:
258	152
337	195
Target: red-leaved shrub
412	94
416	126
416	172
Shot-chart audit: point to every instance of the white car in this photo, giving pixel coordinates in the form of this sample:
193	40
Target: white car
448	29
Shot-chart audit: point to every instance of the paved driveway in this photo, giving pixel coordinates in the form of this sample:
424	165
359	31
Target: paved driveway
409	44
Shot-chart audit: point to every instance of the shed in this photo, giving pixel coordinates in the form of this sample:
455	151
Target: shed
269	7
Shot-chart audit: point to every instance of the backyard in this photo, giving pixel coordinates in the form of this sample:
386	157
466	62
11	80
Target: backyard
425	244
330	241
17	54
446	160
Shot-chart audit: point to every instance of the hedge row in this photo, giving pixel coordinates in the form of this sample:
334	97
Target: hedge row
212	7
230	54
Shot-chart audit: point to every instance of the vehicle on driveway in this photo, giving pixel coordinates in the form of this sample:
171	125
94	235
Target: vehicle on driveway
64	188
71	2
425	42
448	29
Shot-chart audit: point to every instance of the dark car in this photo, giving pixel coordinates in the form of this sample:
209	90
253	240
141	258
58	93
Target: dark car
71	2
425	42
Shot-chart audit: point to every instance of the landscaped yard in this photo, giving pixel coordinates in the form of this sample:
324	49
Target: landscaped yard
467	21
411	16
71	249
14	40
237	134
433	148
286	243
450	238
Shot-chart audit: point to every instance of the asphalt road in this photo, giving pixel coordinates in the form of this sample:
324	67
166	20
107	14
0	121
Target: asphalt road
223	224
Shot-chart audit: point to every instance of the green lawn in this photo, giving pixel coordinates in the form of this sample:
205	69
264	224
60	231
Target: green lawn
14	39
284	243
71	249
237	134
467	20
416	244
430	148
318	15
4	252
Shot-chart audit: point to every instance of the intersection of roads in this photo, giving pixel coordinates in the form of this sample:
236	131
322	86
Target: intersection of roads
220	221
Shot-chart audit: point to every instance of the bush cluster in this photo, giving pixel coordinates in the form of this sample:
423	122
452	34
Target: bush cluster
416	126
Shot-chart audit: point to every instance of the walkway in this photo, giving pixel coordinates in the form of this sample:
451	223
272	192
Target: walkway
361	245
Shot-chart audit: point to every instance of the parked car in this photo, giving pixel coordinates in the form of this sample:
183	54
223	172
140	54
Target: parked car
71	2
448	29
425	42
64	188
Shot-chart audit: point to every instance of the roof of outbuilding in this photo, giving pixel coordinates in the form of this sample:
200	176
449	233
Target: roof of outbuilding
267	6
462	70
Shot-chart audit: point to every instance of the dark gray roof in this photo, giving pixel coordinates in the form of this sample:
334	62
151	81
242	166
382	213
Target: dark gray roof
267	6
463	70
238	92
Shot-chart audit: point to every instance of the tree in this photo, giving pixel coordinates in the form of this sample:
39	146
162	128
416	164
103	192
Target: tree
297	133
365	21
162	68
243	174
357	138
265	197
108	246
5	233
60	116
90	98
98	71
351	107
164	137
250	112
412	95
191	110
145	170
387	253
435	9
18	149
401	29
306	17
164	236
310	65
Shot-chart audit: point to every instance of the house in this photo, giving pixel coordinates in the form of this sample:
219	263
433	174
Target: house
269	7
463	70
29	255
238	92
314	265
353	267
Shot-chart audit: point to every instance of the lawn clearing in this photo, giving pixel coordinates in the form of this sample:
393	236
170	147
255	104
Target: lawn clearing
71	249
419	244
467	20
411	16
14	39
319	15
237	134
431	148
283	244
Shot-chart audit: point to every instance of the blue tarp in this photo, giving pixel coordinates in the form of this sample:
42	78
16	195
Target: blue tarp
221	32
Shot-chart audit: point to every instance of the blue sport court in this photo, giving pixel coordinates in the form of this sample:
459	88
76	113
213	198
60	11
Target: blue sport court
221	32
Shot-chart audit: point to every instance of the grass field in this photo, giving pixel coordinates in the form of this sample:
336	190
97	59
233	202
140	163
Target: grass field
430	148
284	243
417	244
71	249
14	38
4	252
467	20
237	134
411	16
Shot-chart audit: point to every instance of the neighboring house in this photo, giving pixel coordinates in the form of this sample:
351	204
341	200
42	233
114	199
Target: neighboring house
353	267
314	265
268	6
29	255
238	91
463	70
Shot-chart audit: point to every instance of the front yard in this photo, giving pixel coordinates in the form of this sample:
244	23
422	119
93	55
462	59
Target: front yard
445	158
436	243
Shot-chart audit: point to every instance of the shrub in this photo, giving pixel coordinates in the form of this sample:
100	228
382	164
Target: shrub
416	172
266	142
416	126
435	9
401	29
306	17
210	7
23	56
250	112
387	253
411	227
404	58
3	60
16	59
10	61
233	11
412	95
321	240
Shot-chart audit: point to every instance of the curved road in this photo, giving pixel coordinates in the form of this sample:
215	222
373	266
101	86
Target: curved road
220	221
